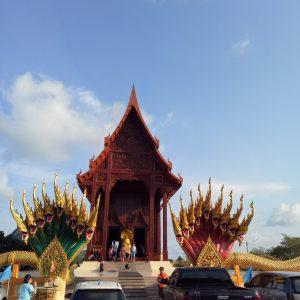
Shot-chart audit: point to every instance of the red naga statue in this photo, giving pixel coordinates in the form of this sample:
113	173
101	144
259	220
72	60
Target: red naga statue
207	232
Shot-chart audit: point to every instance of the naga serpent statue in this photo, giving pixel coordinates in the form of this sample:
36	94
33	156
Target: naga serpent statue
57	231
207	233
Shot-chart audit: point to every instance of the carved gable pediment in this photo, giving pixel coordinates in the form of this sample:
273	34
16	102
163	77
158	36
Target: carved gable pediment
132	136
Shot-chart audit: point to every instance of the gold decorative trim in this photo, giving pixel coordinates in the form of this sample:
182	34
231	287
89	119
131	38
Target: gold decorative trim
53	261
209	256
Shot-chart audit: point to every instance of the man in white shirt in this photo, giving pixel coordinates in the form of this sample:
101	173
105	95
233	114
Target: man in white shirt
133	252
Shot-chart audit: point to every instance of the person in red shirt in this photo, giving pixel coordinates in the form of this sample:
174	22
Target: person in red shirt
162	280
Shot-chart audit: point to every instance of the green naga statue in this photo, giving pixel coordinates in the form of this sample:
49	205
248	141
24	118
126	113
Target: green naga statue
57	230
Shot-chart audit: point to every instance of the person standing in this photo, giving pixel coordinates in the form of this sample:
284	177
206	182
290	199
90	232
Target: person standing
101	270
115	251
97	254
133	252
142	251
162	280
26	290
122	253
110	253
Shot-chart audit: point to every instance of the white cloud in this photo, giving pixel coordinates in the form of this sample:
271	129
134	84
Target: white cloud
241	47
43	124
47	120
5	190
168	119
286	215
251	190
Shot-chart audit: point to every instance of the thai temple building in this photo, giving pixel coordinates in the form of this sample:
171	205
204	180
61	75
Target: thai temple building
134	182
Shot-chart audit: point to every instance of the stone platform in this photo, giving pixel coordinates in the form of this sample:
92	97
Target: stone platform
112	269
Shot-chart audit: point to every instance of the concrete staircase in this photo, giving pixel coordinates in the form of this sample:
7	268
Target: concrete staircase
133	286
137	287
139	282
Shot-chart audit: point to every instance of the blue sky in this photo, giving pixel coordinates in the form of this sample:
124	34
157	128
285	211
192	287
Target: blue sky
218	82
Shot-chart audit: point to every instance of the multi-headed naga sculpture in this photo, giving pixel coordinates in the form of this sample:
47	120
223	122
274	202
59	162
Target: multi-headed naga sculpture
206	231
57	230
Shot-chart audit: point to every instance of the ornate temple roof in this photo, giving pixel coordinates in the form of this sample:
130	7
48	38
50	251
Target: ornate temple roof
108	140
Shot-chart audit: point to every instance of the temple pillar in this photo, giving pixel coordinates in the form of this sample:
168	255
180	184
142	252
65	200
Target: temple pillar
105	222
158	228
151	226
165	228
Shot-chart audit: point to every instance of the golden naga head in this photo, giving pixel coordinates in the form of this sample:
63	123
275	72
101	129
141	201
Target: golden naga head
225	216
38	209
59	198
48	206
216	211
92	220
68	203
21	224
234	220
30	216
243	226
198	206
83	216
176	227
184	220
206	207
191	213
75	210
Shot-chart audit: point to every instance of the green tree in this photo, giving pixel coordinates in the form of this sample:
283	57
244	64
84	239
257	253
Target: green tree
12	242
289	248
2	242
261	251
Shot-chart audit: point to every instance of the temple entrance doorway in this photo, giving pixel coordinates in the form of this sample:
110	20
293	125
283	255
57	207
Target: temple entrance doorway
140	241
129	209
113	236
